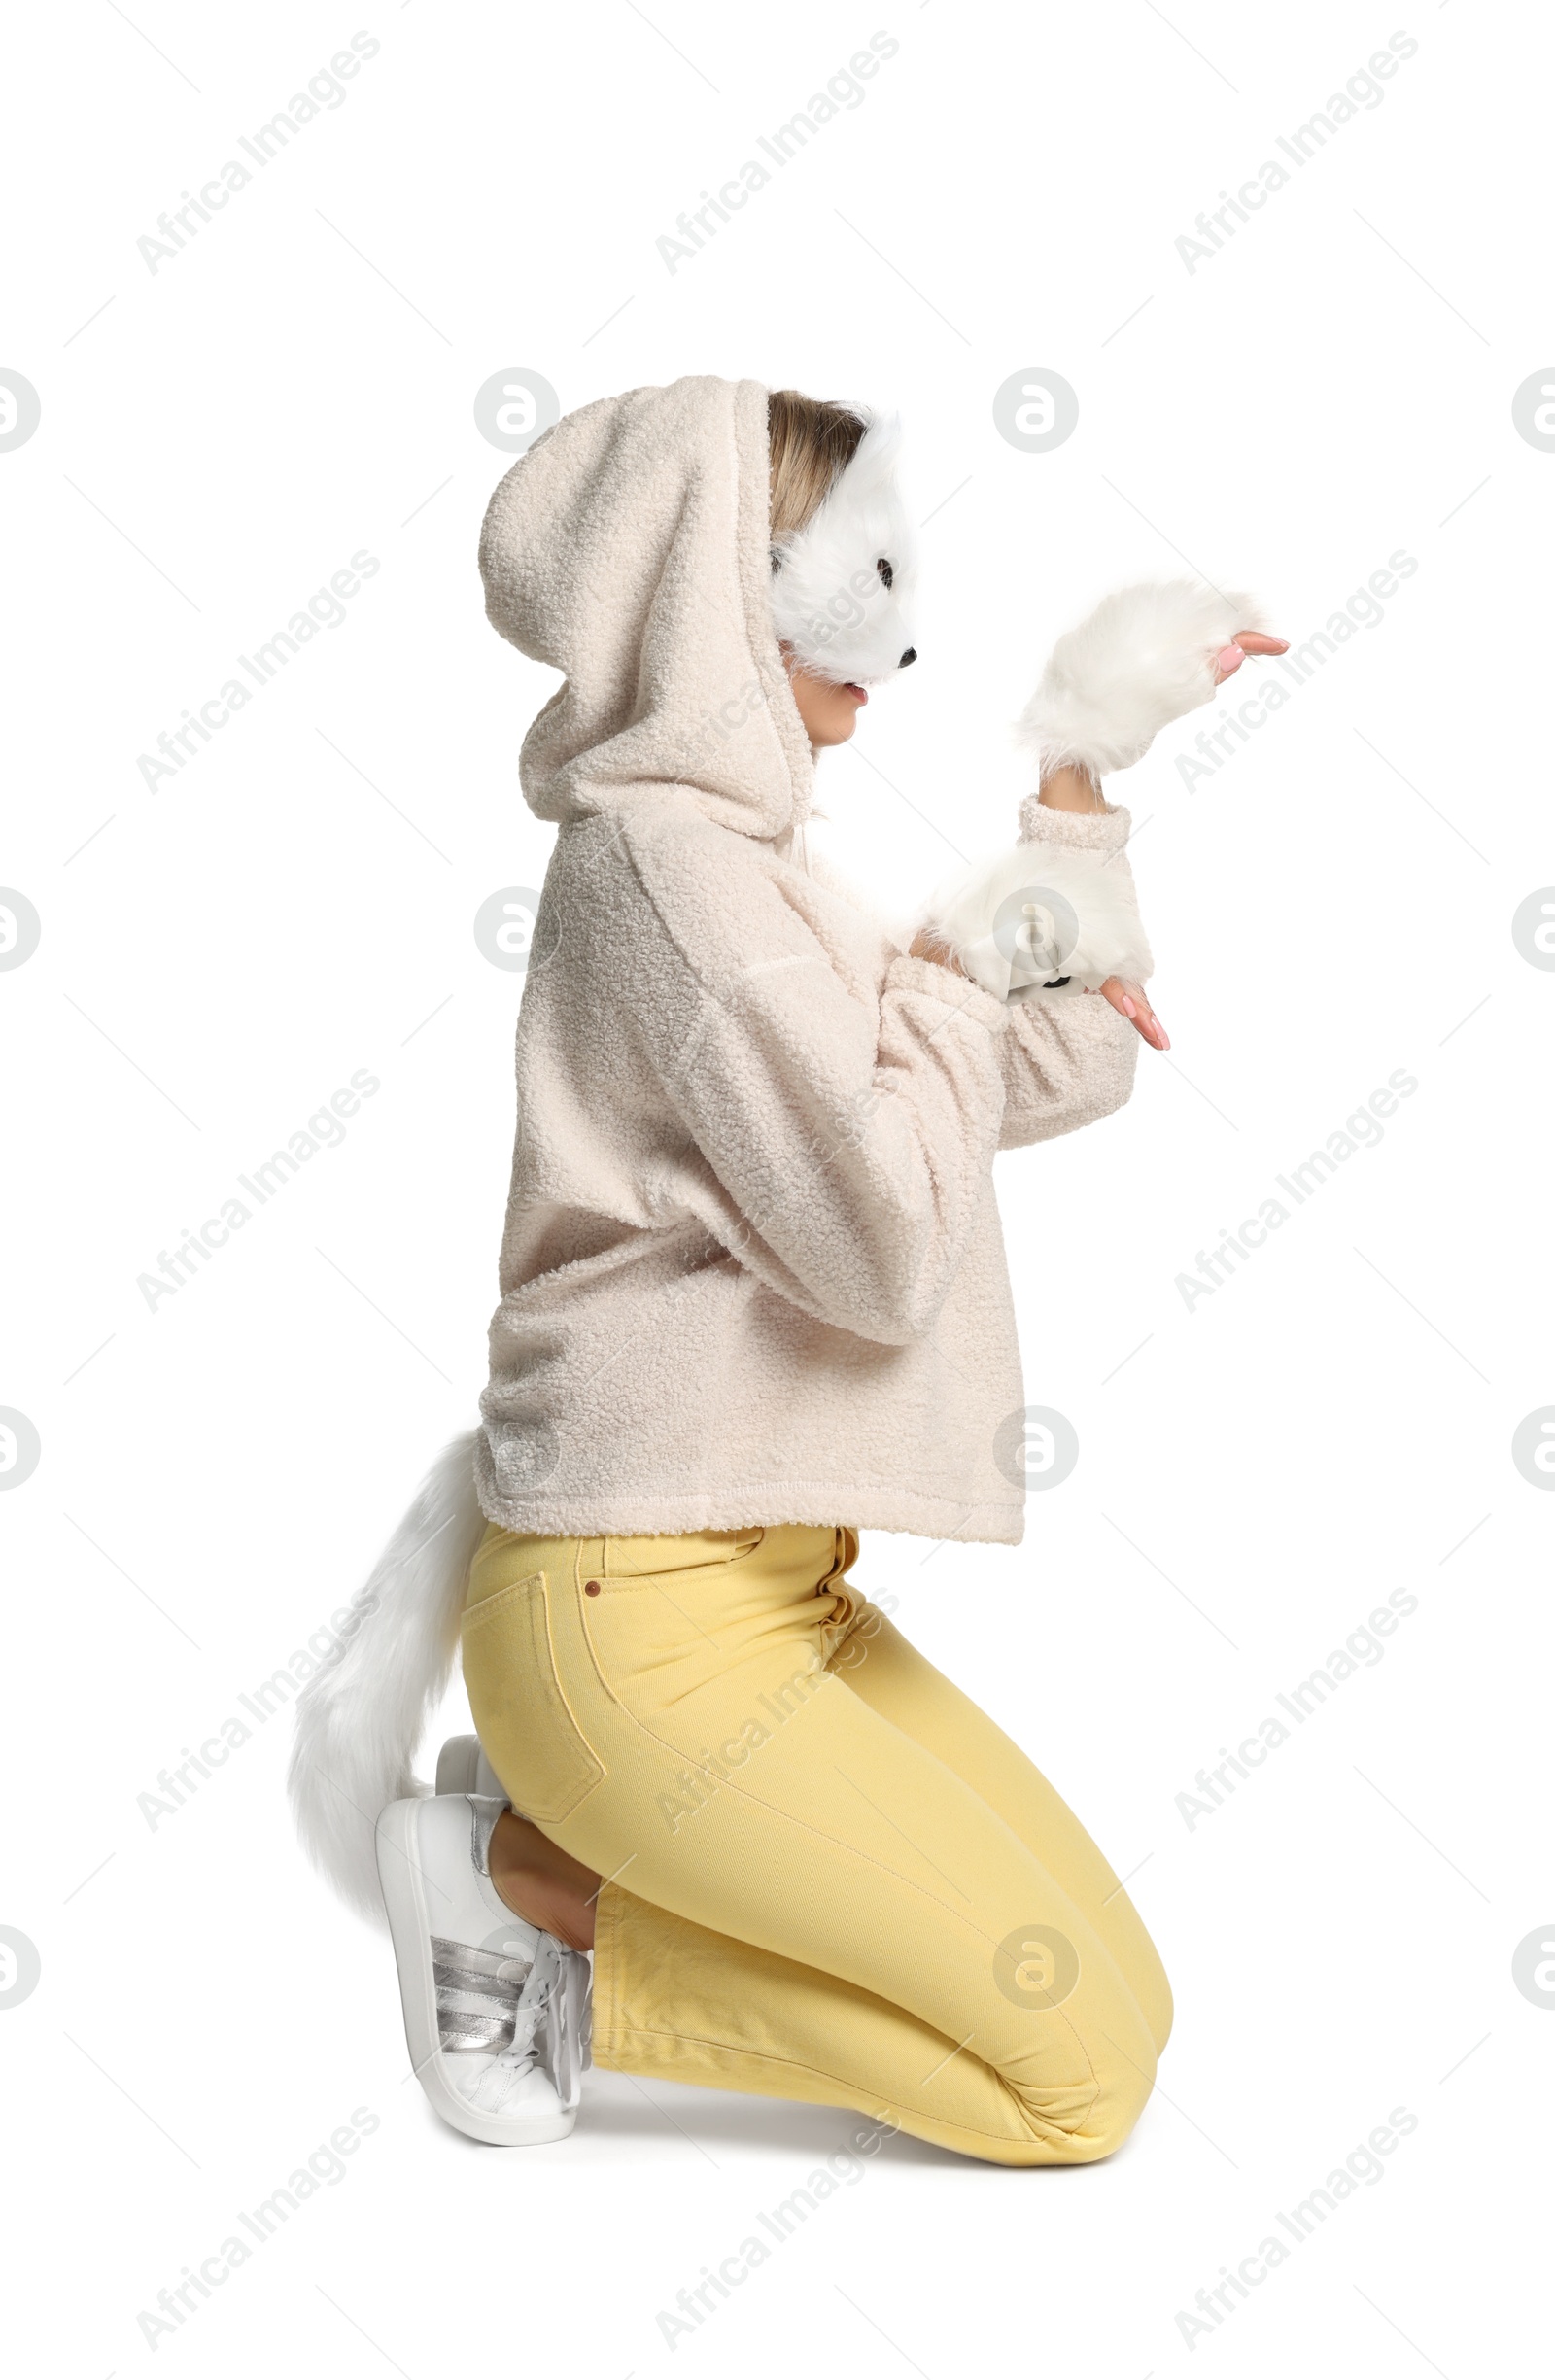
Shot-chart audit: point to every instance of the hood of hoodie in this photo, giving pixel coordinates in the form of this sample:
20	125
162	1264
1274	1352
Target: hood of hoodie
628	548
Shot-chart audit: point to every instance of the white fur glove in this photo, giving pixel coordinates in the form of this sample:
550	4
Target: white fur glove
1144	657
1046	921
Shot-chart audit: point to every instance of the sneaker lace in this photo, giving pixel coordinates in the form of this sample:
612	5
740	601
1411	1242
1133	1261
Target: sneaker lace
517	2009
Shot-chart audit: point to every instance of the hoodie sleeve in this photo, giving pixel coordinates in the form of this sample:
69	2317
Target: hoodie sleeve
1067	1062
845	1137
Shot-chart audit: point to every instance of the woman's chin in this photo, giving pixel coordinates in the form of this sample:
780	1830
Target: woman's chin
844	706
828	707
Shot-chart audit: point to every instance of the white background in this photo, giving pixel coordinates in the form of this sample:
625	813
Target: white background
218	955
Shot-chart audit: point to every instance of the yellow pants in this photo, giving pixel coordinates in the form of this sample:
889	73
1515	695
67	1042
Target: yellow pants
828	1876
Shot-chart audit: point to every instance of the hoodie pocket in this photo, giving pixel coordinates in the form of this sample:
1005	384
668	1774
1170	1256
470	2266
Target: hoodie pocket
520	1710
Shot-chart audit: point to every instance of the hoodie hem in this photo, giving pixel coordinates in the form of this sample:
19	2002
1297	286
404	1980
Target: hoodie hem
790	1505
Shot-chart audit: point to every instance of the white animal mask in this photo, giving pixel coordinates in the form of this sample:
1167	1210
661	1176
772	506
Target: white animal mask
840	585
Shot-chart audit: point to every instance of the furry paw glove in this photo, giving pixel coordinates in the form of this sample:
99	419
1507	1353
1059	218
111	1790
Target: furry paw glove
1045	921
1144	657
1049	918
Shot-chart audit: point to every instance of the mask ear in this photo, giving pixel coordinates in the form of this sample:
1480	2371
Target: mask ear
876	457
845	617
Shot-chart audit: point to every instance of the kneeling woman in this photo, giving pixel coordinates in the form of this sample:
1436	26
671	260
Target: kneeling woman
754	1300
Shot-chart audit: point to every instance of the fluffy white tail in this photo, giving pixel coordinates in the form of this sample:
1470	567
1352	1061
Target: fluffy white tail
360	1716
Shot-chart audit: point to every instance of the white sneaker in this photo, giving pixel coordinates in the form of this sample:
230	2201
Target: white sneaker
496	2012
464	1767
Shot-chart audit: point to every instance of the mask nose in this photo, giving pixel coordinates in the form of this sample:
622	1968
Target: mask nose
908	658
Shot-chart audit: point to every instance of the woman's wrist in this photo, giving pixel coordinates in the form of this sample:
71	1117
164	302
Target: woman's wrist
1071	788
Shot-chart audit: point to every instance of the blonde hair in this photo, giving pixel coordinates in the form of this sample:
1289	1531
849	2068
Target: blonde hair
812	442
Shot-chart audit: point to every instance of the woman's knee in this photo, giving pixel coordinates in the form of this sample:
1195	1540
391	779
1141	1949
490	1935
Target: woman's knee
1143	1976
1119	2104
1154	1996
1080	2125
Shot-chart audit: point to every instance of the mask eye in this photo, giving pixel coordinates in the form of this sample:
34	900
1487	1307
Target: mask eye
885	571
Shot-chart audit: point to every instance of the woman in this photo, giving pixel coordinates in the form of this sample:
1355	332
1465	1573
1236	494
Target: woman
754	1300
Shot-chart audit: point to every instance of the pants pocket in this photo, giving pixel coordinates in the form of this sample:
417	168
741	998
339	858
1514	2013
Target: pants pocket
522	1714
704	1549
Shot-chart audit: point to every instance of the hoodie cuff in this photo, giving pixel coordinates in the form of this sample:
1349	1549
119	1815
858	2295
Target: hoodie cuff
1080	830
953	991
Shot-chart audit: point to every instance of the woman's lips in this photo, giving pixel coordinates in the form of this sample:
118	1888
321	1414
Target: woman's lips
857	692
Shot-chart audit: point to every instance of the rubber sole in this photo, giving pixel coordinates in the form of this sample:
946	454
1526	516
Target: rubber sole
400	1873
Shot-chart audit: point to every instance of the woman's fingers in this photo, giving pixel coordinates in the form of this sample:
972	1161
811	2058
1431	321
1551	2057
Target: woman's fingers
1247	640
1129	1000
926	944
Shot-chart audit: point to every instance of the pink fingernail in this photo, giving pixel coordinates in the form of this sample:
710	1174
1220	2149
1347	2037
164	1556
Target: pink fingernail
1229	656
1129	1009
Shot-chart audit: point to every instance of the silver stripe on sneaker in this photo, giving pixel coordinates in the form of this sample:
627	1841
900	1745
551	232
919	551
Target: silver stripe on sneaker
477	1995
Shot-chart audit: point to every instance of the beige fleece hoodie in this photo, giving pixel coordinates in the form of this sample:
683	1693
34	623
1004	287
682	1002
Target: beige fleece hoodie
752	1269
